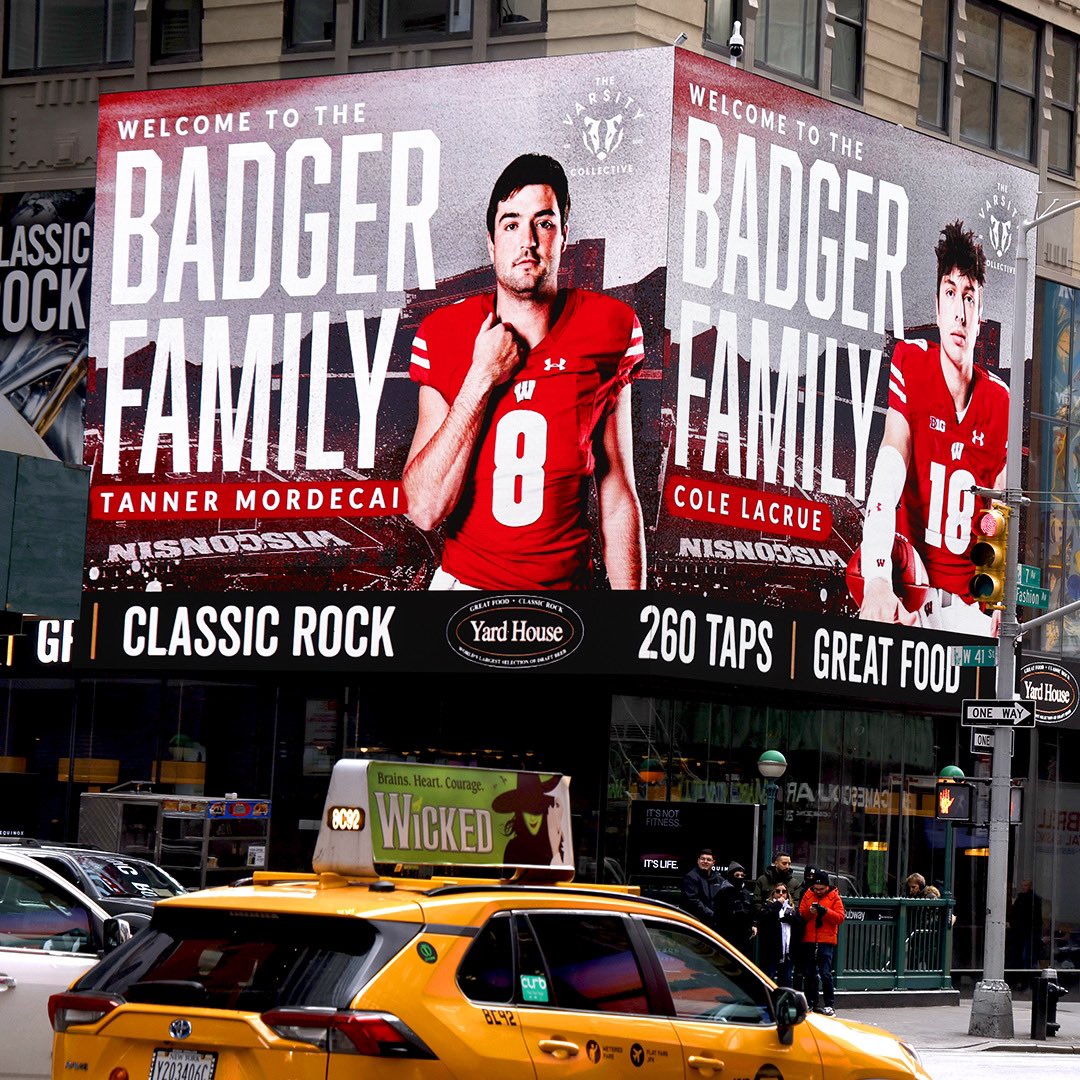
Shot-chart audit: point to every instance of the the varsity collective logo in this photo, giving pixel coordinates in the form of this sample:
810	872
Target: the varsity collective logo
600	125
515	631
998	215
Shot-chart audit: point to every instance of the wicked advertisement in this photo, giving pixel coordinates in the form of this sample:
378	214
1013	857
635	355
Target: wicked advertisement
337	350
379	812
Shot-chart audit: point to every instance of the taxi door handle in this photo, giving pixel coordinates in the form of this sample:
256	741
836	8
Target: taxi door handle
559	1048
7	982
706	1065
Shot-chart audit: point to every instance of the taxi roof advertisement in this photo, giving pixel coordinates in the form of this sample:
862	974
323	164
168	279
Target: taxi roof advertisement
435	815
376	383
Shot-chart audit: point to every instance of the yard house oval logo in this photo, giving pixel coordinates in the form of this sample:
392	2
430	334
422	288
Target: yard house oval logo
1052	689
513	631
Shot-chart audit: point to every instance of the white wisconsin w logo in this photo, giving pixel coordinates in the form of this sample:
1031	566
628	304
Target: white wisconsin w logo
523	390
957	450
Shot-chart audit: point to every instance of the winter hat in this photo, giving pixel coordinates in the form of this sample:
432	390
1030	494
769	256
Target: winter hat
819	877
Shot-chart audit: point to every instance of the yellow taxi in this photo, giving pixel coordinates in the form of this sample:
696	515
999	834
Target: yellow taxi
314	976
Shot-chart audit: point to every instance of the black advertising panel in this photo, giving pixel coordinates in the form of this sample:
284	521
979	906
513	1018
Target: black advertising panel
328	388
664	838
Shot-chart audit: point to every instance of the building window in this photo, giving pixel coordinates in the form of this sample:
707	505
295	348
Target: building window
177	30
50	35
934	65
788	37
998	106
523	16
309	24
847	50
720	16
1062	156
378	20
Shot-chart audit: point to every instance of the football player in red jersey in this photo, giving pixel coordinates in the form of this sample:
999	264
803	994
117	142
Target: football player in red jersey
946	431
524	399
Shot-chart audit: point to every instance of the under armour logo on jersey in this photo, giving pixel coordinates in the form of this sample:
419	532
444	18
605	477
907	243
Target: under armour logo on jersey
554	365
978	438
957	450
936	424
523	390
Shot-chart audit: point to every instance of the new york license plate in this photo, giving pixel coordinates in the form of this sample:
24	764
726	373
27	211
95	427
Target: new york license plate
176	1064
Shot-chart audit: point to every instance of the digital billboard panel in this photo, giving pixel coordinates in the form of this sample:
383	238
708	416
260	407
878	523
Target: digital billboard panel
343	366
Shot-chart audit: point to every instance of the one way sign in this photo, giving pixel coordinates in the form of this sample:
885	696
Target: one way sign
1011	714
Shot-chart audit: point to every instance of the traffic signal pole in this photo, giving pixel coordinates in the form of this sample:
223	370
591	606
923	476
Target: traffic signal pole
991	1005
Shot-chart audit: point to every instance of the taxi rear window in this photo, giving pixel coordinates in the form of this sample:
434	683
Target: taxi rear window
249	961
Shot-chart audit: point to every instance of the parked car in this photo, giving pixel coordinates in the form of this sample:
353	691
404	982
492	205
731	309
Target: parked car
310	975
121	884
50	934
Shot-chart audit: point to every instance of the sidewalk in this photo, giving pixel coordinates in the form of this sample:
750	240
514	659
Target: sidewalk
944	1027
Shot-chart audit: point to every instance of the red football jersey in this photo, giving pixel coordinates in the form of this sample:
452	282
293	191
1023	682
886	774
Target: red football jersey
521	521
949	455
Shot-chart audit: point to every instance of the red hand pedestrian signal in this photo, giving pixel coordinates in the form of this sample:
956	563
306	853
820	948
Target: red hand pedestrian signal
952	801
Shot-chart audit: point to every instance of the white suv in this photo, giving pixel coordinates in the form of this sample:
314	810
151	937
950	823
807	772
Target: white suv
50	934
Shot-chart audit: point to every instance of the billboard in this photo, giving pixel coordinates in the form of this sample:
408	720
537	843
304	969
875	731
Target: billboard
332	384
813	328
46	246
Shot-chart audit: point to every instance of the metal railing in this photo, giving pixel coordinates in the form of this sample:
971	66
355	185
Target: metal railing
895	944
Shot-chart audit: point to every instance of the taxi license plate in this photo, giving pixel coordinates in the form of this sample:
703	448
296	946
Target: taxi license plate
177	1064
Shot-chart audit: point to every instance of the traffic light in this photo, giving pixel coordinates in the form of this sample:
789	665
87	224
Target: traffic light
952	801
991	529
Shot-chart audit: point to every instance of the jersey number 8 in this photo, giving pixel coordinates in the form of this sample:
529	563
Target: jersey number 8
517	483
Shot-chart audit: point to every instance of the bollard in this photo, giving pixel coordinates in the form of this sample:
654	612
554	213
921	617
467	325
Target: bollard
1044	999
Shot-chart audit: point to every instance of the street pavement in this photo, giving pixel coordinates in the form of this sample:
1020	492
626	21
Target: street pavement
944	1027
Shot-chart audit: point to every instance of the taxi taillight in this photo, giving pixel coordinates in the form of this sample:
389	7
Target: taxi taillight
72	1007
374	1034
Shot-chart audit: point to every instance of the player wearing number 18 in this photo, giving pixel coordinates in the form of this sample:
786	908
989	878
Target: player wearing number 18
945	433
524	400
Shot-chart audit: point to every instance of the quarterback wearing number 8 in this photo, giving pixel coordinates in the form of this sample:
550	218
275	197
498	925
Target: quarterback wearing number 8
524	404
945	433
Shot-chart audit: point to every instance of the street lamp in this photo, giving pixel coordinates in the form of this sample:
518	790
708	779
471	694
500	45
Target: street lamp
772	765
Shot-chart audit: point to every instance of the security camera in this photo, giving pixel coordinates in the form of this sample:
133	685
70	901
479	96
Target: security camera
735	42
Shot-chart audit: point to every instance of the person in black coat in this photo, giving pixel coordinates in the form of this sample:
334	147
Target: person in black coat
700	886
778	936
735	916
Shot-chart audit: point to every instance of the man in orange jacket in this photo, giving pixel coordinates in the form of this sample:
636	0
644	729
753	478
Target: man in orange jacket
822	911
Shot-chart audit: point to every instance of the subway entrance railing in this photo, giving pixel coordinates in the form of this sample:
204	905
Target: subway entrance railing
891	943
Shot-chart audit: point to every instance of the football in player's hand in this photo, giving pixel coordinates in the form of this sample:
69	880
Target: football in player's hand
910	580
